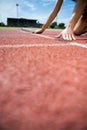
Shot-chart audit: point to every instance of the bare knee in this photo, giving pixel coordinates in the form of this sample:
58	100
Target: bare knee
77	32
81	26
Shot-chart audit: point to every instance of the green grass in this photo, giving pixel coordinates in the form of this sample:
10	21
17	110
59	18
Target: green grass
18	28
9	28
54	29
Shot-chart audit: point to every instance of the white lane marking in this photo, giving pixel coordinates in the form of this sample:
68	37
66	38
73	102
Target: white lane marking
39	35
32	45
44	36
79	44
43	45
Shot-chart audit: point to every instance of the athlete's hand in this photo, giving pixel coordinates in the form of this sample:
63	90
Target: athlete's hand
38	31
67	35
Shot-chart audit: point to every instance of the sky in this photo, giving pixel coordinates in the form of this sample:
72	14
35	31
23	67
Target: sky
34	9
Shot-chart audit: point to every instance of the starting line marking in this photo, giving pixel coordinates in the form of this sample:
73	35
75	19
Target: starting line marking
41	35
43	45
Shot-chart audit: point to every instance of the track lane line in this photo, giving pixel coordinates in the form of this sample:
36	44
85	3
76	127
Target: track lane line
41	35
43	45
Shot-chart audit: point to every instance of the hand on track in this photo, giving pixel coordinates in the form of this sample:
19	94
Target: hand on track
67	35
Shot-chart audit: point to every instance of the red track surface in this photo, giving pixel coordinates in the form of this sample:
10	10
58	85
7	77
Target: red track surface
42	88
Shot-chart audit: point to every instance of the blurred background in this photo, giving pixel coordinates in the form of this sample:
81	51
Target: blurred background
33	13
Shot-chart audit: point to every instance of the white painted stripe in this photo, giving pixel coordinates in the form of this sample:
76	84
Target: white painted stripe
44	36
42	45
40	35
78	44
32	45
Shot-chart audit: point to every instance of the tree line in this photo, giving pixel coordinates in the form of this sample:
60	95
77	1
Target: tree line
52	25
55	25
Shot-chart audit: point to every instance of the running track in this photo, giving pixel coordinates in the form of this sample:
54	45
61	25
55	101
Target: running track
43	82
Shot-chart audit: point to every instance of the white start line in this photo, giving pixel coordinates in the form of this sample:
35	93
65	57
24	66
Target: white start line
42	45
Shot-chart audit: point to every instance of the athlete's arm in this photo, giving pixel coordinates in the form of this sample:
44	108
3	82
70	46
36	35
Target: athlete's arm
52	16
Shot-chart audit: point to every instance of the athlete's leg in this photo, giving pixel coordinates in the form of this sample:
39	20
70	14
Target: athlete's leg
81	26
